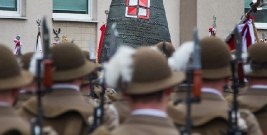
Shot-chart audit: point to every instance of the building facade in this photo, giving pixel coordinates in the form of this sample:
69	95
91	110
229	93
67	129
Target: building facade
80	20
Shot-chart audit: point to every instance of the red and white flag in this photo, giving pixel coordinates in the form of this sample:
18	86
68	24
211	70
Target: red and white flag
248	36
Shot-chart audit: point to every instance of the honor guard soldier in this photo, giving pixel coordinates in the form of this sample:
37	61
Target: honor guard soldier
28	91
65	108
210	116
12	78
255	99
146	80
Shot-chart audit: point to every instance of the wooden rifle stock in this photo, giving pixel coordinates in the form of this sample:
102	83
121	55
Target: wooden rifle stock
48	70
197	81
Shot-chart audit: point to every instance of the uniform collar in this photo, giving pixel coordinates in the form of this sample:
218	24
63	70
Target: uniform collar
65	86
3	104
150	112
258	86
211	90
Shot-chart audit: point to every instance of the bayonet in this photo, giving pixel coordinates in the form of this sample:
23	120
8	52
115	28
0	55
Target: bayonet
46	40
196	55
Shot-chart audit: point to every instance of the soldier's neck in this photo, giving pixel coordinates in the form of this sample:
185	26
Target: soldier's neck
153	105
216	85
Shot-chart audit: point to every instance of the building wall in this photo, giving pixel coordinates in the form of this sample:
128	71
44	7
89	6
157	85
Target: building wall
26	26
79	32
228	13
188	19
182	15
173	17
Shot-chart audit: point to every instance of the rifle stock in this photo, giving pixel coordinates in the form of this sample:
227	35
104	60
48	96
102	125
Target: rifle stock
197	81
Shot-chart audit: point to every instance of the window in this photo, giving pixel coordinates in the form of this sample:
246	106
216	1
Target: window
72	9
260	15
10	8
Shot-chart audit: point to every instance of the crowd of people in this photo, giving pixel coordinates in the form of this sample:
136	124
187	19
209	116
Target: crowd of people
140	87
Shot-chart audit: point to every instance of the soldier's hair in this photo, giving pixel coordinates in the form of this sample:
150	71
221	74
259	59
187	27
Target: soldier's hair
151	97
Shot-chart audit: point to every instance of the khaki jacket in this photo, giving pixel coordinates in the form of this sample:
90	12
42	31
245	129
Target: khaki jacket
65	110
22	97
11	123
210	116
146	125
123	109
255	100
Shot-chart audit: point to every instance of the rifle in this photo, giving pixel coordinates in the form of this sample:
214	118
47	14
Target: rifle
233	115
44	78
99	110
193	76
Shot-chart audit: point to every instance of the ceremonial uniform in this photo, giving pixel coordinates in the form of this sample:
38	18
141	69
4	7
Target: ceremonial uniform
210	116
12	78
11	123
255	99
65	108
27	92
148	75
146	122
122	107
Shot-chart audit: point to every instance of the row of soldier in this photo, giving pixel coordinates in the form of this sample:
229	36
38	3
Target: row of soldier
146	86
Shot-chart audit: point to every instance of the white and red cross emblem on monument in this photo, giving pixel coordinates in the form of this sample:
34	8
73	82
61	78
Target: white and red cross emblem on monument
138	9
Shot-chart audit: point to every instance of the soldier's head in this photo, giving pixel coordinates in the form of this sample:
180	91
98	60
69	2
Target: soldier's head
86	54
166	48
143	75
25	61
70	66
12	77
257	63
215	60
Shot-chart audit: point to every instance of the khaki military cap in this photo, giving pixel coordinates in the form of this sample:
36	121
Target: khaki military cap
69	62
86	54
151	72
25	60
258	60
168	45
11	75
215	58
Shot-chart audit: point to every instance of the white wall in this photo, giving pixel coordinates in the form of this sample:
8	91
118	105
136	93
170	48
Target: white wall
228	14
26	28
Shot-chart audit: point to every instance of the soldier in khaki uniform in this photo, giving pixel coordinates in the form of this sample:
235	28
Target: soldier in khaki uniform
65	108
210	116
28	91
255	99
12	78
144	78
